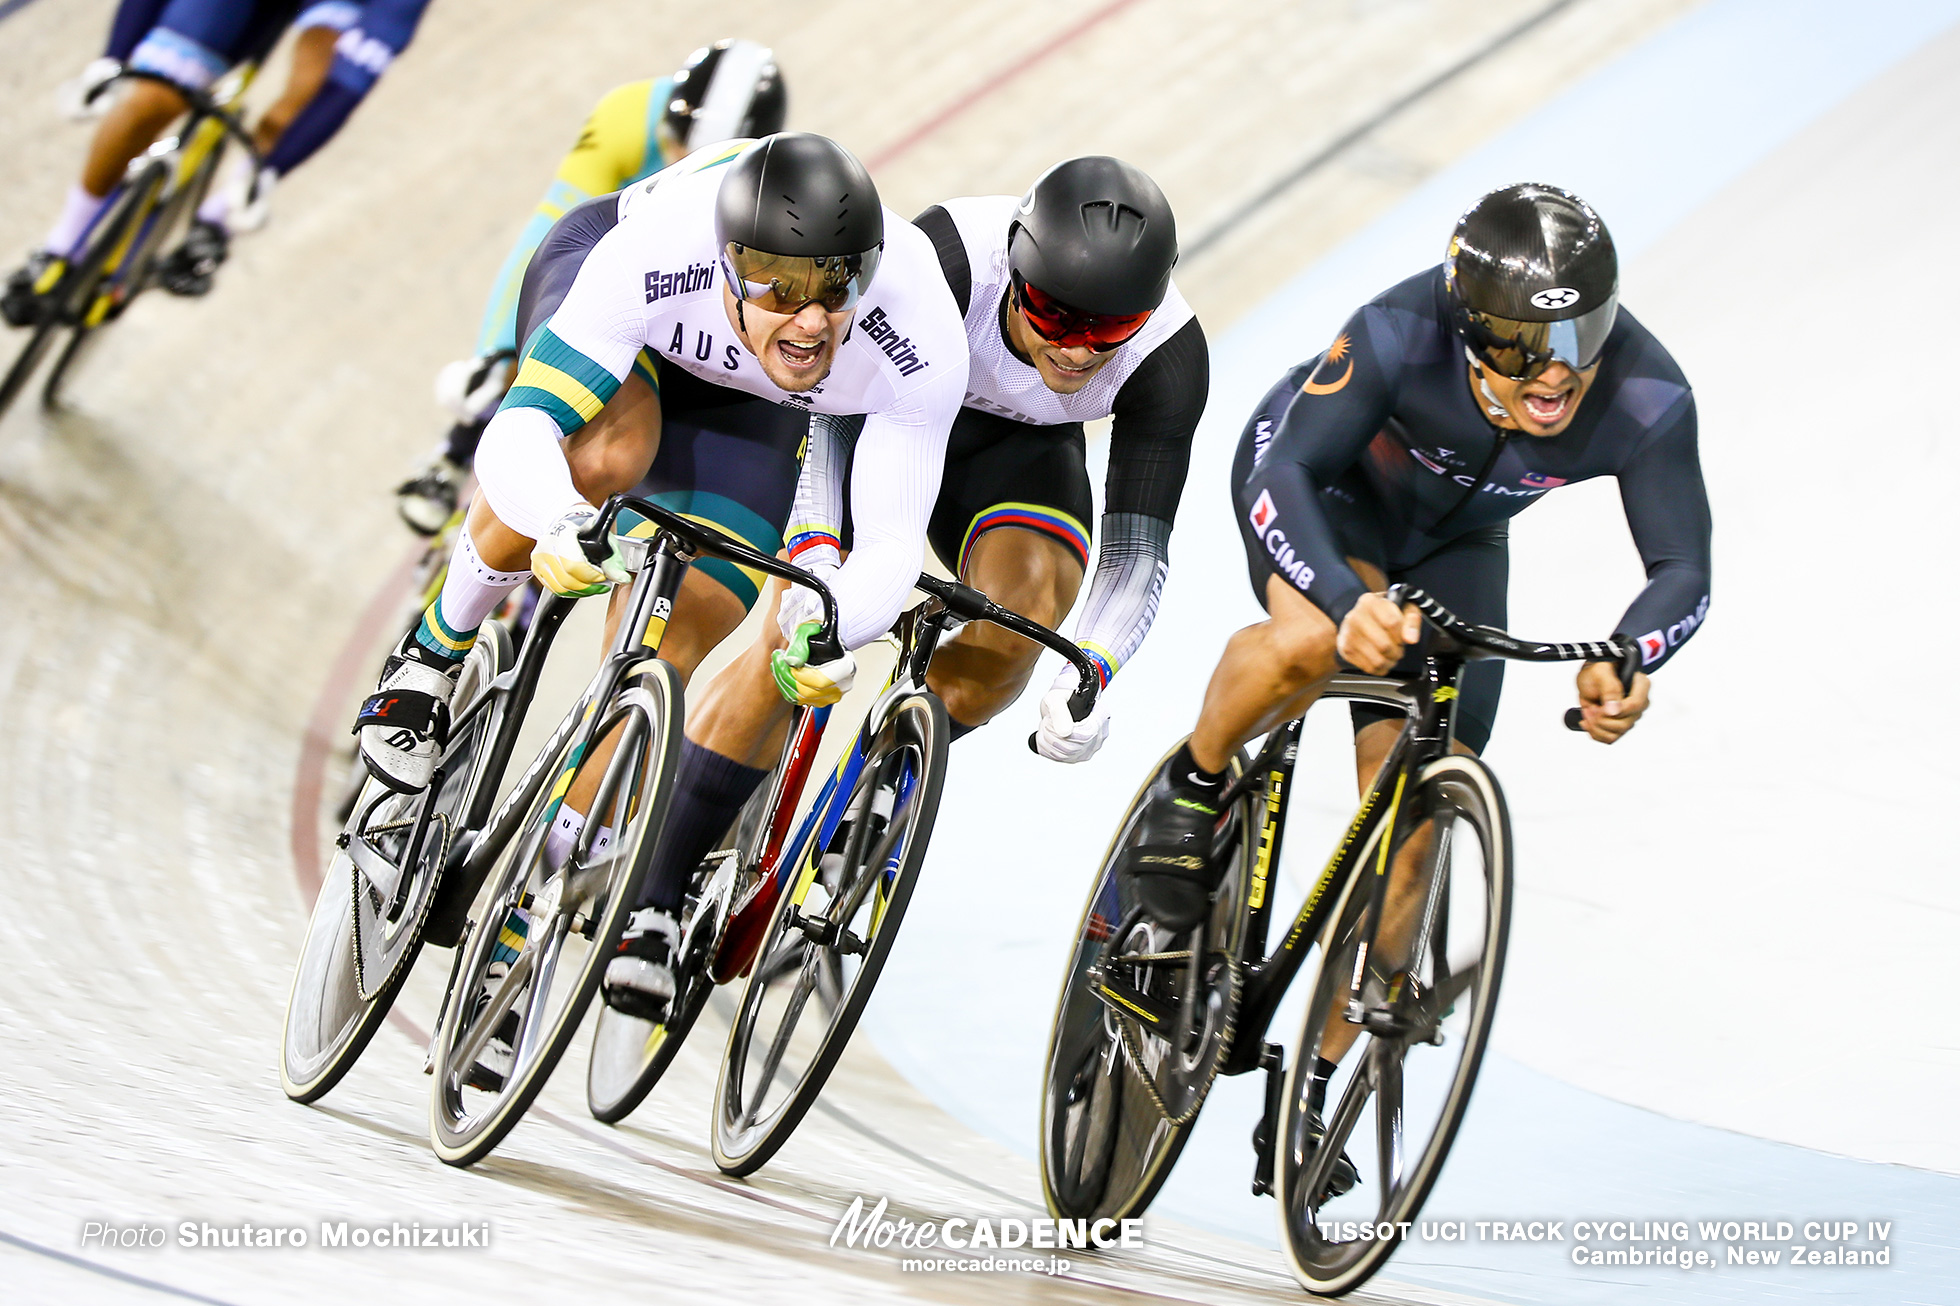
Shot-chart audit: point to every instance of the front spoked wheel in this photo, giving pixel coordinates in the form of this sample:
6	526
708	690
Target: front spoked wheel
829	939
1427	1001
1121	1093
367	922
534	962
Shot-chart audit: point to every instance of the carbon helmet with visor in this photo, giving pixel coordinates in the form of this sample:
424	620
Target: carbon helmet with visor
724	91
1090	252
1532	279
798	221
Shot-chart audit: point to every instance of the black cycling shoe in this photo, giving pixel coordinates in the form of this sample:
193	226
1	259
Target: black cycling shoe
1168	864
24	300
188	269
1344	1176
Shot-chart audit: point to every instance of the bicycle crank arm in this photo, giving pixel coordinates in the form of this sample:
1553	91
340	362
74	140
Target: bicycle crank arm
1272	1060
1126	1000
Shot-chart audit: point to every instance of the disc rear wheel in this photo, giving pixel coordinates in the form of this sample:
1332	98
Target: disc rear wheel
366	927
1121	1094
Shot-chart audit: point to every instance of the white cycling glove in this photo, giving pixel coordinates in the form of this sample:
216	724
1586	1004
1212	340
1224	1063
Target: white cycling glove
471	388
560	564
1061	737
800	681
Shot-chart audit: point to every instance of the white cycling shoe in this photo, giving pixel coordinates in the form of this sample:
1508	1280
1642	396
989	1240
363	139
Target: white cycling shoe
405	723
640	980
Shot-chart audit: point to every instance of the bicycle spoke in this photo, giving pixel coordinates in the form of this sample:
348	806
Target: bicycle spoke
470	1044
549	950
806	983
1346	1116
1388	1116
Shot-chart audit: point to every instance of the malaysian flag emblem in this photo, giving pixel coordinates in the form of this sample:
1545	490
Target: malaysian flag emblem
1534	481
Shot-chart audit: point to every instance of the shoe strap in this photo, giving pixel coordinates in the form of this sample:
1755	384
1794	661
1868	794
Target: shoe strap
421	714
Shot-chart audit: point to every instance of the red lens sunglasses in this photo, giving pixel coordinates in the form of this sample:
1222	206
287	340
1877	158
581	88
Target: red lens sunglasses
1071	328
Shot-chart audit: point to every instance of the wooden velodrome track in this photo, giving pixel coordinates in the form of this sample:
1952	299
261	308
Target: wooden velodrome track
186	550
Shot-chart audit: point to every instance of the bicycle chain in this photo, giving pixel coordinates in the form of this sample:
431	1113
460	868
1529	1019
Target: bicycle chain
1127	1027
354	903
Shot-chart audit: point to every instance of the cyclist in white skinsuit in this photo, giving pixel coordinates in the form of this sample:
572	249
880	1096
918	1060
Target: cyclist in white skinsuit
847	317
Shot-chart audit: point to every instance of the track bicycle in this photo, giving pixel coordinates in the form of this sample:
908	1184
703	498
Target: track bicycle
118	257
531	955
810	909
407	867
1402	937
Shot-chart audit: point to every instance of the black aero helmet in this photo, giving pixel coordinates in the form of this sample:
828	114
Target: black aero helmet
797	220
1532	279
725	90
1094	238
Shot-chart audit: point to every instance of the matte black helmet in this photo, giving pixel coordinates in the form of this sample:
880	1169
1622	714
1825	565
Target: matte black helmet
1097	235
1532	278
798	220
726	90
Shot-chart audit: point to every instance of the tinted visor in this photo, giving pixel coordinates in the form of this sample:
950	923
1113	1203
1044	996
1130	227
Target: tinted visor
784	283
1523	350
1071	328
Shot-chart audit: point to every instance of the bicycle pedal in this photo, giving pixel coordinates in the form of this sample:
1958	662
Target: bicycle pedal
1272	1060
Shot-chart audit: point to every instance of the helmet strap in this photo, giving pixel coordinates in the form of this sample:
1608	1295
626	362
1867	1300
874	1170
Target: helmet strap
1495	408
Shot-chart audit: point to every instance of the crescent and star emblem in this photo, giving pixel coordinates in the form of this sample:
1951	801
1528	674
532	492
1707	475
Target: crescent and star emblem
1335	353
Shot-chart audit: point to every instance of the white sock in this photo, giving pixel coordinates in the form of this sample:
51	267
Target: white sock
216	205
563	835
77	211
472	591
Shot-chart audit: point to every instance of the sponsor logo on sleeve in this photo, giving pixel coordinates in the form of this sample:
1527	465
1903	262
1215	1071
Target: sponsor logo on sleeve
1285	560
665	285
1652	645
878	329
1263	512
1262	439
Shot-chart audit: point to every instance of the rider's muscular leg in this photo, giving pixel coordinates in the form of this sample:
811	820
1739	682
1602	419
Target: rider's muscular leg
984	668
1407	887
312	60
734	733
128	129
1270	673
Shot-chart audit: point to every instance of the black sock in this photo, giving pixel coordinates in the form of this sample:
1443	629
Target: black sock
1323	1070
959	730
709	791
1187	774
461	445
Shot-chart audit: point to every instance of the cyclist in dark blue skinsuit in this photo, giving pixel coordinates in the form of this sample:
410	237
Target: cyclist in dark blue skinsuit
1445	407
344	46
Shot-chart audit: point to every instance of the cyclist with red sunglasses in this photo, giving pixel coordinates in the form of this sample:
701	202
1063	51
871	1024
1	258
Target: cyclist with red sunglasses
1445	406
1071	316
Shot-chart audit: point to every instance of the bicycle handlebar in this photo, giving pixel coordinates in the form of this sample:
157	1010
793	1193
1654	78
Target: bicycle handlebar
594	540
1487	641
969	604
201	105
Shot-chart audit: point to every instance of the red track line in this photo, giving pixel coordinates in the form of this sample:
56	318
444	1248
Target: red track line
329	720
1000	77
